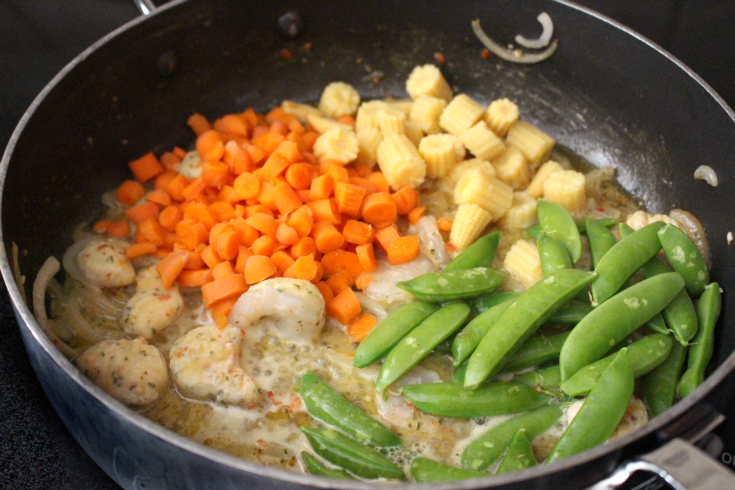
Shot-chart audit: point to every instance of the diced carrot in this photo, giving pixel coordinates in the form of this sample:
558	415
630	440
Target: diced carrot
342	262
326	237
363	281
415	215
379	181
278	127
194	278
215	173
406	198
344	307
228	244
222	269
210	145
304	195
194	261
386	236
403	250
164	179
349	198
250	117
179	152
307	140
129	192
265	245
338	282
176	187
138	249
379	208
305	268
210	257
289	151
256	153
150	231
259	268
299	176
237	159
190	233
273	167
301	221
235	124
198	123
366	256
263	223
285	198
321	187
360	328
200	212
325	290
170	161
325	210
358	232
444	224
221	310
246	186
248	234
365	184
119	229
223	288
145	167
363	171
170	268
102	225
266	197
286	235
338	173
142	212
222	211
227	195
305	246
242	259
282	260
194	189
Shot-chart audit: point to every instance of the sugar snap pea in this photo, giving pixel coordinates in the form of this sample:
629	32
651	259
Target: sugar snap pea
314	467
644	355
351	455
547	378
439	287
536	351
325	404
685	258
420	342
519	456
484	303
572	312
534	231
658	325
486	449
553	254
700	352
521	320
601	240
679	314
459	373
469	338
386	334
480	254
601	412
556	222
623	259
615	319
659	386
490	399
425	470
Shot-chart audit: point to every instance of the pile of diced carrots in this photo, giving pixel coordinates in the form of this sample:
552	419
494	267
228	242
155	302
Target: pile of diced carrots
264	207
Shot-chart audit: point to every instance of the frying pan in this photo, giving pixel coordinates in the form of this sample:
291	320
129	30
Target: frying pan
607	94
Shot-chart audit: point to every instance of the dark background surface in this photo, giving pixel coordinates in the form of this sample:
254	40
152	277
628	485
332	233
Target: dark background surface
37	38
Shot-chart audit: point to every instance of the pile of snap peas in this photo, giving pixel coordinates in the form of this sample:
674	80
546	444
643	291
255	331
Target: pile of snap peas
635	315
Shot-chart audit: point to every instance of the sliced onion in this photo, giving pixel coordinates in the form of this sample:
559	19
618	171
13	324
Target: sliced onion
371	306
69	261
514	56
44	276
707	174
694	229
544	38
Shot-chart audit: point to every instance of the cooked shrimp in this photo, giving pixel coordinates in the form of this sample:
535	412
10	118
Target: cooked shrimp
103	261
382	287
205	364
293	309
130	370
152	308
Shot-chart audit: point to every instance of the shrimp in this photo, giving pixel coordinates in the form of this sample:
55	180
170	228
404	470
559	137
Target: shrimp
291	308
152	308
382	287
104	262
205	364
131	371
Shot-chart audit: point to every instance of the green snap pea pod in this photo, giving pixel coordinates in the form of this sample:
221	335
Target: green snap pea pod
484	303
556	222
425	470
536	351
520	321
351	455
685	258
659	386
486	449
480	254
679	315
314	467
601	412
644	355
553	254
459	373
623	259
420	342
600	238
615	319
548	378
490	399
658	325
325	404
572	312
534	231
700	352
386	334
520	455
469	338
439	287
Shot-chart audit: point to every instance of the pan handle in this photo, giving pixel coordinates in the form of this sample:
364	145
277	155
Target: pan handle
681	464
144	6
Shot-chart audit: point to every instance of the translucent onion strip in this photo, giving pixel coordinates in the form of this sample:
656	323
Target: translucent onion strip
510	55
707	174
44	276
542	40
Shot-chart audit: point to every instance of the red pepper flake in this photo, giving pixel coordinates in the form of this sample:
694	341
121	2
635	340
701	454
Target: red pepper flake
485	53
262	443
602	210
439	58
451	247
252	405
285	54
307	46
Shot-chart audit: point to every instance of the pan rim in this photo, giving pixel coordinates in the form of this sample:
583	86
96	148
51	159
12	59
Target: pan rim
121	411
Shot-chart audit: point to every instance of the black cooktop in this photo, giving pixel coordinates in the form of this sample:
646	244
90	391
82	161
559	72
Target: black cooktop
37	38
